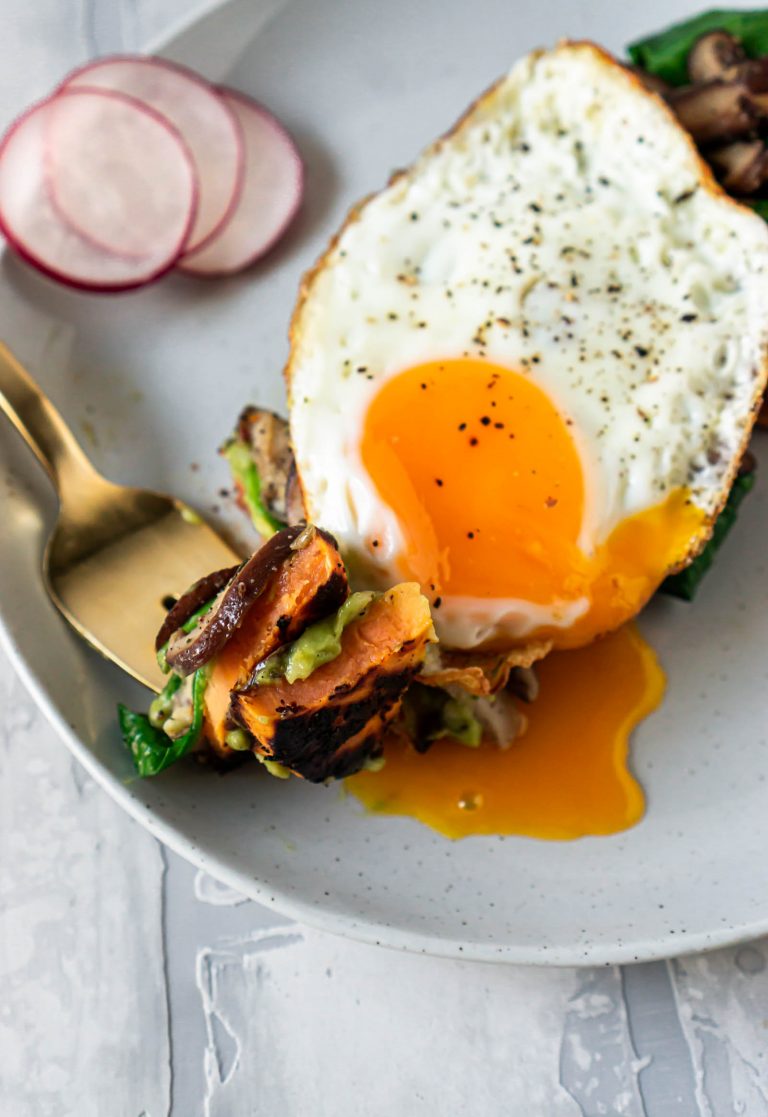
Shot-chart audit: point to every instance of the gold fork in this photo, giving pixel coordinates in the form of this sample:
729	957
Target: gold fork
116	555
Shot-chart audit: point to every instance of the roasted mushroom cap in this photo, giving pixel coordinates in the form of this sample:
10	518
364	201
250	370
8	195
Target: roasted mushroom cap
716	110
268	437
294	499
650	81
714	54
742	167
754	73
326	725
762	415
260	575
204	590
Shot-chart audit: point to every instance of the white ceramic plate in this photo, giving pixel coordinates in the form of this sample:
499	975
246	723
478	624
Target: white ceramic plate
153	381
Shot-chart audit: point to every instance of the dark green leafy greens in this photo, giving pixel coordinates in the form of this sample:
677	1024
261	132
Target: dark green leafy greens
666	53
246	475
152	749
685	583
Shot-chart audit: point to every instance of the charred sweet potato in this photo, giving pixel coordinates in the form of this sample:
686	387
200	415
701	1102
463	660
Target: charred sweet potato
328	724
308	584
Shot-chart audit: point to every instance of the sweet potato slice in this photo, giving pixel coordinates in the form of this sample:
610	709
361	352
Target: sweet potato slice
326	725
308	584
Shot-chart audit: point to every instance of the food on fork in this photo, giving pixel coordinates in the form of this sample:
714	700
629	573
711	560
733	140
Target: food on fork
283	662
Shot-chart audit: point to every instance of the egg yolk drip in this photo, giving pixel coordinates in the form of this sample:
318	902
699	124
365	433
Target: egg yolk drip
488	488
566	777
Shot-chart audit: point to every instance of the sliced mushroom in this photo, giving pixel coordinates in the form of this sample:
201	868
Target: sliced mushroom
650	81
524	683
753	72
741	167
762	415
269	439
501	718
295	513
716	110
748	464
712	55
189	651
196	596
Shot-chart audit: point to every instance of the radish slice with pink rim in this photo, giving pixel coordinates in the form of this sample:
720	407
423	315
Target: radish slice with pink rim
129	181
272	190
205	121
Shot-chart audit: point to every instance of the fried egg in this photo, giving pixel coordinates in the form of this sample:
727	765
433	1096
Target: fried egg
523	374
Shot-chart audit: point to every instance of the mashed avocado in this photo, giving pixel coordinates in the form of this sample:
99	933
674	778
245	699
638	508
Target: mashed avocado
318	644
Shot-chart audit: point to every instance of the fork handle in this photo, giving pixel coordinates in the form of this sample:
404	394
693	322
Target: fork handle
41	426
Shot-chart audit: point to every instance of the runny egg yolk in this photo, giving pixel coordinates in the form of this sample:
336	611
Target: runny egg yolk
487	484
565	777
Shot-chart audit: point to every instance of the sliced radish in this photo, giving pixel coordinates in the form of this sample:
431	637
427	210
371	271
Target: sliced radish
274	180
207	124
122	175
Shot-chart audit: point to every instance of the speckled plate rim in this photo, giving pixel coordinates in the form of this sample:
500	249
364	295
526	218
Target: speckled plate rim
645	949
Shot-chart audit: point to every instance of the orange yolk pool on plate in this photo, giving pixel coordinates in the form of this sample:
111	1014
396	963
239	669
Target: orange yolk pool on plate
487	484
566	777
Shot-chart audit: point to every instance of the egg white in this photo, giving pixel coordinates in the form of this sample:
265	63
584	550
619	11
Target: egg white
566	228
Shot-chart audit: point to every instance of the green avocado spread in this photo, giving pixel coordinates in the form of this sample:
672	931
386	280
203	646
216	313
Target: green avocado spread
318	644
